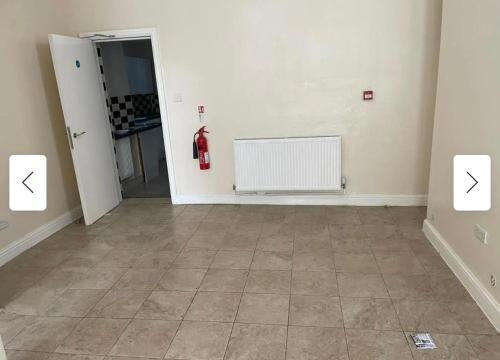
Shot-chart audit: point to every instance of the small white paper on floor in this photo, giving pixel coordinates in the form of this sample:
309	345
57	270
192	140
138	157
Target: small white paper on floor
423	341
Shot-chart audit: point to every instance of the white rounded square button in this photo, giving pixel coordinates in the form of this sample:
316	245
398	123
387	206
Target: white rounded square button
472	182
27	182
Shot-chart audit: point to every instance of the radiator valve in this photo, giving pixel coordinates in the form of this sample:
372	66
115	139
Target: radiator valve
343	182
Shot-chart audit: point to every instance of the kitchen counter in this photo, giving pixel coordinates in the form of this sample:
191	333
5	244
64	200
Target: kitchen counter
141	125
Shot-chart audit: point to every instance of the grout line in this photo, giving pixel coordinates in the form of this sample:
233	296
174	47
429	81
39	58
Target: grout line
340	300
195	293
290	294
393	306
242	293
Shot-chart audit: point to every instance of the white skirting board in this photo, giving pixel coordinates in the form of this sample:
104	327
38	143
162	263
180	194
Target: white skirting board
311	199
487	303
41	233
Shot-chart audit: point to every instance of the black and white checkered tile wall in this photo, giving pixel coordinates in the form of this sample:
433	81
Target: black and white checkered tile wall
122	110
145	104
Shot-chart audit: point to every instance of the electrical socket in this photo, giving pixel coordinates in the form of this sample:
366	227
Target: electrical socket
493	280
480	234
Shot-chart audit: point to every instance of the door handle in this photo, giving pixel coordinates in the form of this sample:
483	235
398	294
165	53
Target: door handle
68	131
75	135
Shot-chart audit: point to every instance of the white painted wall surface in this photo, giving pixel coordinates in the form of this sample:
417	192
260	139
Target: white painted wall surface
467	122
294	68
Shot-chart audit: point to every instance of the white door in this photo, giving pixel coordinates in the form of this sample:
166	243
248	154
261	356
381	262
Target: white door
87	125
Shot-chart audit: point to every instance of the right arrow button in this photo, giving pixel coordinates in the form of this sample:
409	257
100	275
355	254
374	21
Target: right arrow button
475	182
471	182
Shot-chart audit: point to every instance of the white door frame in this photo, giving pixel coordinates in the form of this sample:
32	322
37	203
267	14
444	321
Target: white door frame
152	34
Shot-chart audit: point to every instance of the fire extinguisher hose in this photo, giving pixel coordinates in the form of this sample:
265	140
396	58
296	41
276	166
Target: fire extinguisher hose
195	147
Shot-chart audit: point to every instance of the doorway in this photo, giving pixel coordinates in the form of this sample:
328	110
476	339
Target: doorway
129	82
93	134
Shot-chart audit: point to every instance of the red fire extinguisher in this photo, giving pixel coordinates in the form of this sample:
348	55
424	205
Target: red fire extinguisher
200	148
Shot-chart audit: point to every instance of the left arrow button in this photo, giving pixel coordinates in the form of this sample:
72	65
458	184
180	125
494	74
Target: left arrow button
27	182
24	182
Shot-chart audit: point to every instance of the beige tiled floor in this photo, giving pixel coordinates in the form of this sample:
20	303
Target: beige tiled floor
152	280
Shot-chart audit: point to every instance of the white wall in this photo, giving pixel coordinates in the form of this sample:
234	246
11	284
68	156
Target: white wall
467	122
294	68
31	117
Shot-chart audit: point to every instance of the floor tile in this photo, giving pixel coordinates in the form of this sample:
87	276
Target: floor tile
14	277
414	287
119	304
322	311
369	314
27	355
314	343
264	309
99	278
140	279
75	303
448	346
146	338
277	242
448	288
487	347
257	342
200	340
268	281
118	258
390	245
434	265
166	305
12	324
346	218
380	231
471	319
353	232
312	243
224	280
377	345
312	261
232	260
375	218
362	285
209	266
45	334
356	263
194	259
34	300
214	306
61	278
239	241
264	260
156	260
314	283
422	248
426	316
93	336
412	232
209	240
399	263
181	279
55	356
348	245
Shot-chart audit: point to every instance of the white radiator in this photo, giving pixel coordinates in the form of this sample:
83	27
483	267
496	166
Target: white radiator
288	164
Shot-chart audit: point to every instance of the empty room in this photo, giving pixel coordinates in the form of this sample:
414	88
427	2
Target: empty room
249	179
